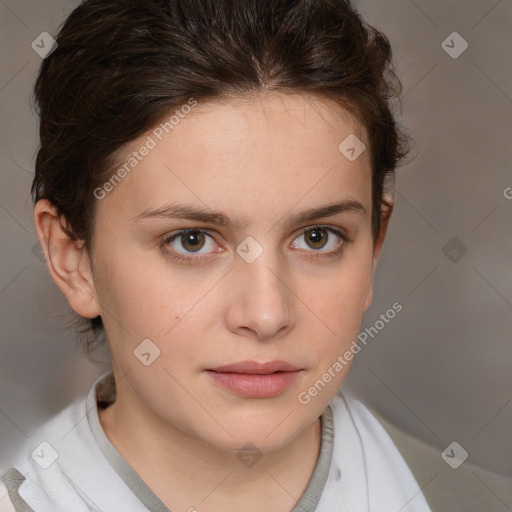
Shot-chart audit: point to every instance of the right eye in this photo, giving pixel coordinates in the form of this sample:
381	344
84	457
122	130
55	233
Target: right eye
192	240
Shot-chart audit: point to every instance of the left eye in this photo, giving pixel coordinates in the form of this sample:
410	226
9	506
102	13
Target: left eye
318	238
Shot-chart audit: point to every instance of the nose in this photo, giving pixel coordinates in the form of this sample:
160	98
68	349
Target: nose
261	303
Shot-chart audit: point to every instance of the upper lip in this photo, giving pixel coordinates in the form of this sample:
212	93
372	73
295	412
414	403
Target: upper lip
252	367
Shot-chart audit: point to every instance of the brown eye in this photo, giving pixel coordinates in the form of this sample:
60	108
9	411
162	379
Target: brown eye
192	240
323	240
189	241
316	238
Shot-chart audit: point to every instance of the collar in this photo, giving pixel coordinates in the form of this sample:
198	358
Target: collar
103	393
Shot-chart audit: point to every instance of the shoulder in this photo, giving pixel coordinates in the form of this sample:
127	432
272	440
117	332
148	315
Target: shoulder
369	428
55	430
373	473
463	488
63	467
37	470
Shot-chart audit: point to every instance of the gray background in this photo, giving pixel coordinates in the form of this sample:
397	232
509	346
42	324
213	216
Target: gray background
441	368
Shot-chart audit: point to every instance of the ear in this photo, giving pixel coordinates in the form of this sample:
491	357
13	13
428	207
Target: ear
386	211
68	262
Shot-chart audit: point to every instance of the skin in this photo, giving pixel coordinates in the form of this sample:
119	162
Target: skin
262	157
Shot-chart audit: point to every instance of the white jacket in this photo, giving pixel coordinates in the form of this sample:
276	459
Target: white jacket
69	465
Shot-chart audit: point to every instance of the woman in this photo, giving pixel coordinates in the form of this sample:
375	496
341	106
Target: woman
211	196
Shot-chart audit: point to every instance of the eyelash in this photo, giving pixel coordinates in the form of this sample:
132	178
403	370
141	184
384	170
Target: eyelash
190	260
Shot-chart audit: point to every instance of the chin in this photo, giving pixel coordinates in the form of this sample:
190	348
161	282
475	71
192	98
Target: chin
264	437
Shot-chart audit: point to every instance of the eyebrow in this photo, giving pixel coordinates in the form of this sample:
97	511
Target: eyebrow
180	211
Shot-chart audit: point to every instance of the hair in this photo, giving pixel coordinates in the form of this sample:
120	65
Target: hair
120	66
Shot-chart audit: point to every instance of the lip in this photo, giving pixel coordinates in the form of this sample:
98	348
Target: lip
254	368
255	380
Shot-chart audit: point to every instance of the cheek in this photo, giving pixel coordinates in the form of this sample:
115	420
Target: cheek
342	296
340	303
150	298
143	299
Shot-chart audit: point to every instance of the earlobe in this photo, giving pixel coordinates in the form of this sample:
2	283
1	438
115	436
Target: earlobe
369	296
67	261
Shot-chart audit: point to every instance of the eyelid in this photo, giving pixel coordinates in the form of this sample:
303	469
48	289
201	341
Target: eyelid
332	229
167	239
178	232
189	258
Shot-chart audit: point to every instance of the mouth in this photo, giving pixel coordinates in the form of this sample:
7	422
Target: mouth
254	368
255	380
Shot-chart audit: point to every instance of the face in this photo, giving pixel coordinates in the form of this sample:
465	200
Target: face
263	280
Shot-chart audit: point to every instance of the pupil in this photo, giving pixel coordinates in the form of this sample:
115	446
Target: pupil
193	239
317	236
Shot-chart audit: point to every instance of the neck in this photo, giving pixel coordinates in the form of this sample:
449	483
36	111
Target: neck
185	472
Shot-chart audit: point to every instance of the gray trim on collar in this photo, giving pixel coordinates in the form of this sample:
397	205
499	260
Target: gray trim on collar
103	392
311	496
13	479
125	471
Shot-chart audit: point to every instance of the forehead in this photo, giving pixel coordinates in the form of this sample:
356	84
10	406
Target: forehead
296	126
267	151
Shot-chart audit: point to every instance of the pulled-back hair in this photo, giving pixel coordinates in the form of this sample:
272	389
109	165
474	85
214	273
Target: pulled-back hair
121	66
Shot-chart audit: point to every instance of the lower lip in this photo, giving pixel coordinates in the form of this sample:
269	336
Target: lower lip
254	386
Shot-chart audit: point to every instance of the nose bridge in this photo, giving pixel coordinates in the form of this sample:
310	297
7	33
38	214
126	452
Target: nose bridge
262	300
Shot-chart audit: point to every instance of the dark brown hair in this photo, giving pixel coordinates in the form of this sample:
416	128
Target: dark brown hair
121	66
